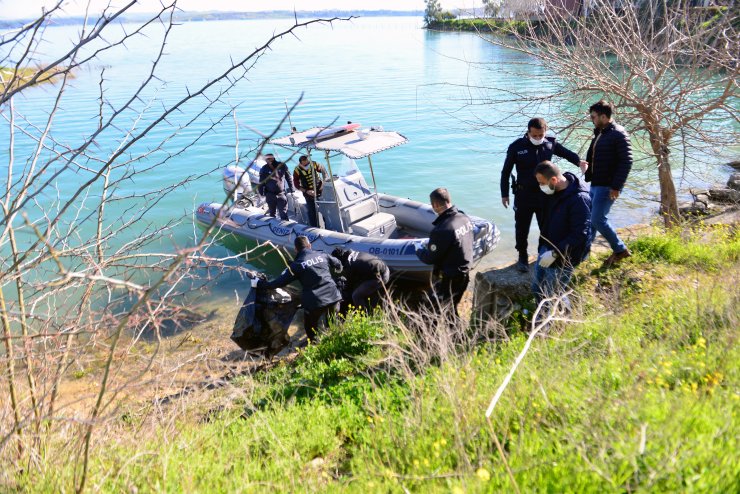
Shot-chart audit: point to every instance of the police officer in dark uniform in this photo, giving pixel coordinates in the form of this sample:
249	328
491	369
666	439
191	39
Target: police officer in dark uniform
305	176
524	154
320	296
273	177
366	275
450	249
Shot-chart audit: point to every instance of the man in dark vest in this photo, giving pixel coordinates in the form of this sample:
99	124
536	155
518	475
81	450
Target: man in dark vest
273	180
524	154
450	249
366	275
308	177
320	296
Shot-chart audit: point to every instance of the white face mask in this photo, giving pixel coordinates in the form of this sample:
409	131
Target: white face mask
546	189
536	142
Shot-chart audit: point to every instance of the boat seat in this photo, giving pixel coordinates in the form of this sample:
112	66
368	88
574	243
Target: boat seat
379	225
359	211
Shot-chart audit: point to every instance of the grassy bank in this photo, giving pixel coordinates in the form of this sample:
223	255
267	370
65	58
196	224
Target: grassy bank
640	393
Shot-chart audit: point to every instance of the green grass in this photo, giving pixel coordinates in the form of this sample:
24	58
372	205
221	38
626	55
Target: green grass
642	395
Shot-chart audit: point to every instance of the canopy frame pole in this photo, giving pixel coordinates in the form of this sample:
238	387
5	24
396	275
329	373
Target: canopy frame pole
375	185
336	199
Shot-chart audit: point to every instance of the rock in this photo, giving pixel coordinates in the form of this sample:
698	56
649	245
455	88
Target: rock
730	216
726	196
694	209
734	164
498	292
734	181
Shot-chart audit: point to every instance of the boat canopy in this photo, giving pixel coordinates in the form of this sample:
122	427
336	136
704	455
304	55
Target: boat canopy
354	144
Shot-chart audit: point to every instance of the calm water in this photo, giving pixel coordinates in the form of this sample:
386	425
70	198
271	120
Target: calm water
377	71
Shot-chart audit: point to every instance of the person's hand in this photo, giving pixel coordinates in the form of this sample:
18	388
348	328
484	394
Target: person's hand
613	194
505	201
419	245
583	165
311	193
548	258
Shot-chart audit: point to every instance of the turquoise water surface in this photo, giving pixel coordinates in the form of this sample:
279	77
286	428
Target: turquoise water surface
376	71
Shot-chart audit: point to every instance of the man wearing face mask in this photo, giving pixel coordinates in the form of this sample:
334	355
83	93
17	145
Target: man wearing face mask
566	232
450	249
524	154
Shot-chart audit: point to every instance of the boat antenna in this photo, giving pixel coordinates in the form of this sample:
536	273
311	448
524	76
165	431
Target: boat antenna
292	129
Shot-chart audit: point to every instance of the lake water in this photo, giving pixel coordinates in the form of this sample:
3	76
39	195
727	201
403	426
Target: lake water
376	71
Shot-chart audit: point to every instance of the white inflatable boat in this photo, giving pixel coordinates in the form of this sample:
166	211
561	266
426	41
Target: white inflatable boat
352	214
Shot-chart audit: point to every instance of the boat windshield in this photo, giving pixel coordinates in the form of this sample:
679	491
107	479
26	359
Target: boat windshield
346	168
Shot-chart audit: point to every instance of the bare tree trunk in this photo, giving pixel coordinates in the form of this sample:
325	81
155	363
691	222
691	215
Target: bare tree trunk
668	203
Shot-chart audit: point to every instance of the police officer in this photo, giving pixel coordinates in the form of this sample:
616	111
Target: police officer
450	249
273	177
304	177
320	296
524	154
366	275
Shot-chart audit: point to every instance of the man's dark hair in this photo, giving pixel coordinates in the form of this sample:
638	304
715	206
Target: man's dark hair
301	243
440	195
303	158
537	123
602	107
340	253
547	169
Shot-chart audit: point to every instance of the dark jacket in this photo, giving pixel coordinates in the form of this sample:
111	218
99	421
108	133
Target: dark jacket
273	180
567	227
609	157
312	270
358	267
526	156
450	247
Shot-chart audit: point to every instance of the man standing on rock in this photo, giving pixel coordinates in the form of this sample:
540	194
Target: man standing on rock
609	162
566	233
450	249
524	154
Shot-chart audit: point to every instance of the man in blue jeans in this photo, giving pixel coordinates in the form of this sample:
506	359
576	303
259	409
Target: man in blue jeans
609	162
565	239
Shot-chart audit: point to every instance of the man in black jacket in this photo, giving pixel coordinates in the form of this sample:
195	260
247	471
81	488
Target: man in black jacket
610	160
566	233
273	177
320	296
524	154
366	275
450	249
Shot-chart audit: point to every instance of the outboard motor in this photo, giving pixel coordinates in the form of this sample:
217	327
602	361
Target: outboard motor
264	319
239	183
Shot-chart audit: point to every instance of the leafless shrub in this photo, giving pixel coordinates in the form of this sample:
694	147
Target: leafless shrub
670	67
82	286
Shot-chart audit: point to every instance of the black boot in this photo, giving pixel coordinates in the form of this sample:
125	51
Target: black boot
522	264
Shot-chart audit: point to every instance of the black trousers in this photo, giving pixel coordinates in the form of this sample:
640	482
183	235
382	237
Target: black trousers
366	295
314	318
526	206
313	220
277	202
446	289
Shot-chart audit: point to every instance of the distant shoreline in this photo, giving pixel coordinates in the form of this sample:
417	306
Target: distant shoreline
224	16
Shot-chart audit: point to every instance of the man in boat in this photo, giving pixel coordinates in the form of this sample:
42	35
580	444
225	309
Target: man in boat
610	161
566	233
524	154
273	180
450	249
366	275
320	296
308	177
